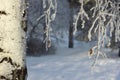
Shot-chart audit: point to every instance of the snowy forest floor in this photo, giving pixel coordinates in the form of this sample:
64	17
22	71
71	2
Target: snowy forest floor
74	64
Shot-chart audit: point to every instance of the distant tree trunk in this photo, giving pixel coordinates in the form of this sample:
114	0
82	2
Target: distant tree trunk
71	43
119	49
113	44
12	40
71	28
73	4
119	52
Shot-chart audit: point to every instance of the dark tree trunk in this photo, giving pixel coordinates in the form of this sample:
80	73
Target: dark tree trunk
71	43
71	28
113	44
119	49
119	52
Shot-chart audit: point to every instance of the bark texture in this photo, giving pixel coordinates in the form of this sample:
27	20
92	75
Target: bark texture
12	41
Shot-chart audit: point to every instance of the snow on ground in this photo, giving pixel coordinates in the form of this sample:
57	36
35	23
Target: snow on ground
74	64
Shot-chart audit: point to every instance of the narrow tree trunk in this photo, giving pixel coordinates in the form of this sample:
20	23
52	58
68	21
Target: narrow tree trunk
71	28
71	36
119	52
12	41
113	44
119	49
45	35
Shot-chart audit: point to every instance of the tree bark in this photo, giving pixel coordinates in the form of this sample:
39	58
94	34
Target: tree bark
119	49
12	41
119	52
71	44
71	28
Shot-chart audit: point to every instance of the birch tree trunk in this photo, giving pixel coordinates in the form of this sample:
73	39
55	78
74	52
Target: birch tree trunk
12	41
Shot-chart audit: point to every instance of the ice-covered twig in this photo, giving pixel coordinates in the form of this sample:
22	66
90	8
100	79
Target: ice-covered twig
49	14
82	15
106	16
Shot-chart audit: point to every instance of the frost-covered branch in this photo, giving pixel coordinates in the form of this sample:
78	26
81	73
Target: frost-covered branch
82	15
49	14
107	18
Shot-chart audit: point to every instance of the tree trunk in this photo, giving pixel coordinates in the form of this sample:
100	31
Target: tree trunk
71	36
119	49
12	41
119	52
45	36
71	28
113	44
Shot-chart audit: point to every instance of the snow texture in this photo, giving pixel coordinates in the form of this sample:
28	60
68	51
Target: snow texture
74	64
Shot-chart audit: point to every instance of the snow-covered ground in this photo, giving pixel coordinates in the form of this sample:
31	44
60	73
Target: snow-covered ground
74	64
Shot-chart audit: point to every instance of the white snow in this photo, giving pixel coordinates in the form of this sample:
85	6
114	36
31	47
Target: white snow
70	64
74	64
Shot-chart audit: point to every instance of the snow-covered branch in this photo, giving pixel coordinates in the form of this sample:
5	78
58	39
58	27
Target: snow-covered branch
106	20
49	14
82	15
